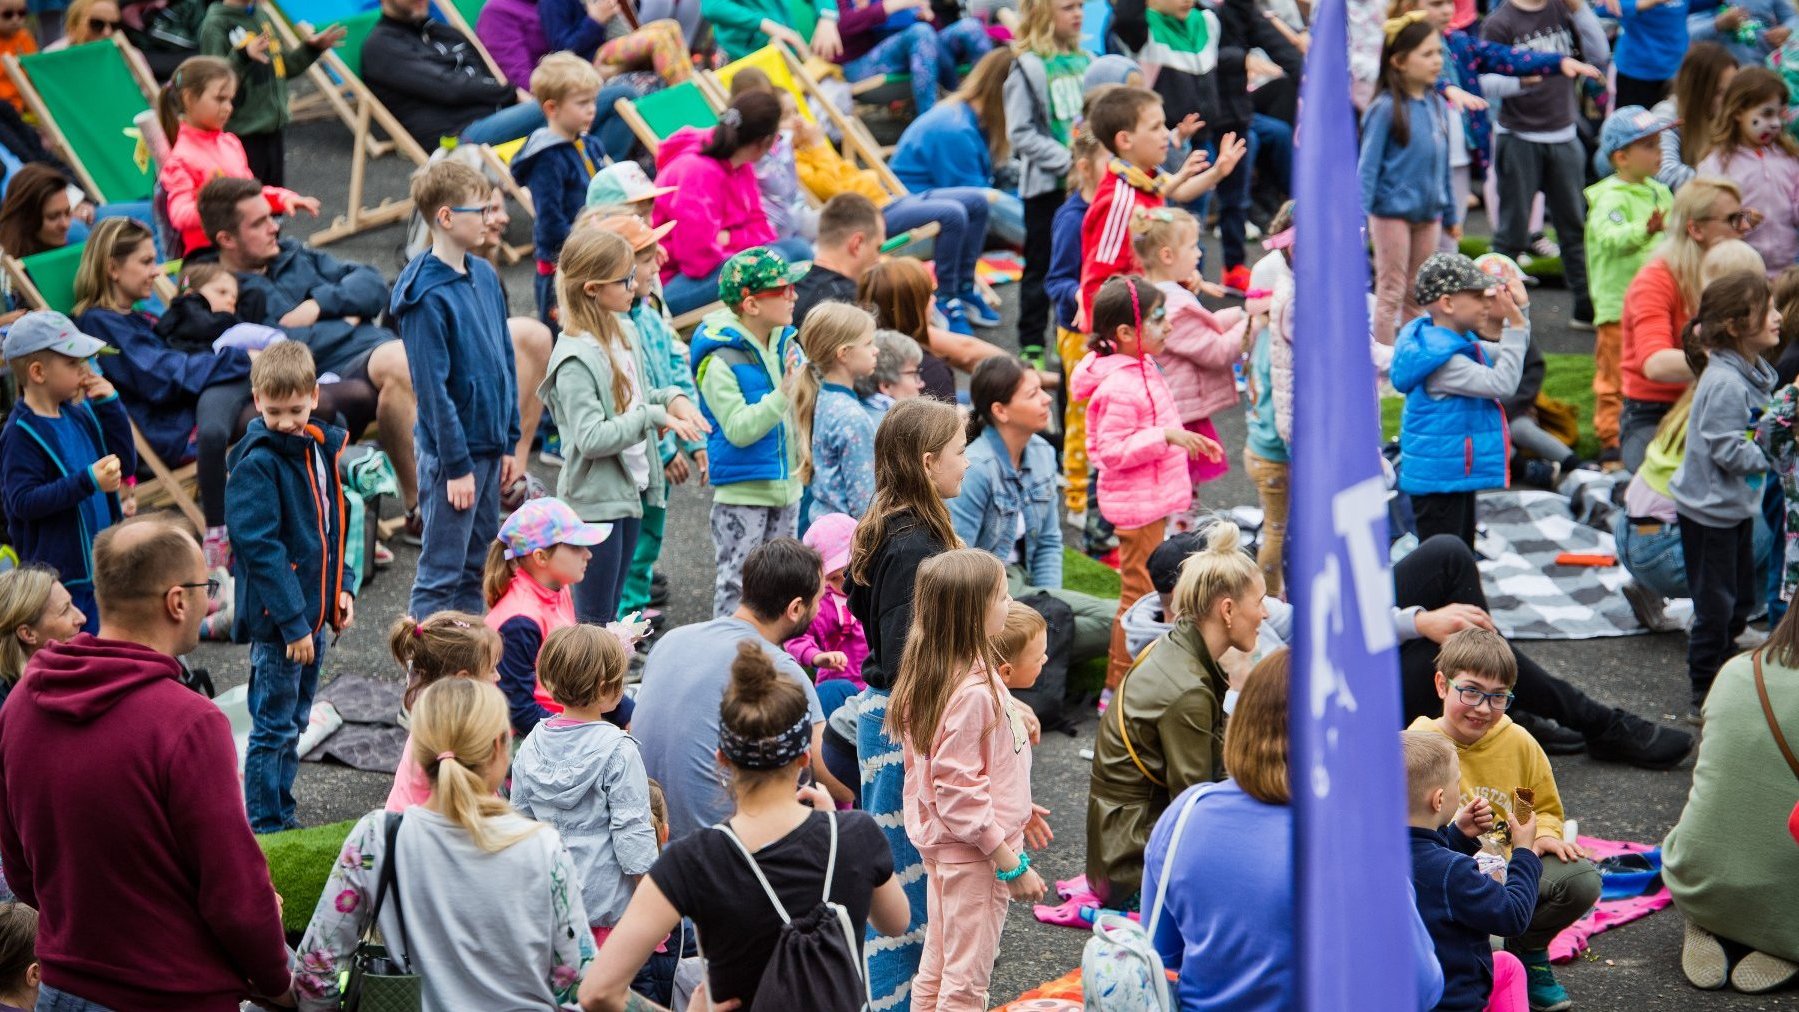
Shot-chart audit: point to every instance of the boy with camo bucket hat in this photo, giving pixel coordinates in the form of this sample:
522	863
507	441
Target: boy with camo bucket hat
746	359
1452	435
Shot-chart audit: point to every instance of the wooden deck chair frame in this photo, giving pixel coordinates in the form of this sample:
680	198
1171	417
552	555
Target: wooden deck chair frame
858	143
339	94
140	71
170	485
627	111
453	17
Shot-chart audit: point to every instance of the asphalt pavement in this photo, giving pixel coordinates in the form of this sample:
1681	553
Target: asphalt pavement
1635	967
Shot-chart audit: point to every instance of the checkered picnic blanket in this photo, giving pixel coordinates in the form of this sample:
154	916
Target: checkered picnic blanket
1532	598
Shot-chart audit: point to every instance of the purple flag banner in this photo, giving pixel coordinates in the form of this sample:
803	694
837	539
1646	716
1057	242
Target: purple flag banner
1352	864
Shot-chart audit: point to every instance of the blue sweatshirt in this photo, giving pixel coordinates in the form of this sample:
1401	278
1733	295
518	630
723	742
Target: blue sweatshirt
1461	907
45	486
1063	282
943	148
1651	41
556	170
460	353
284	505
160	386
342	288
1227	926
1409	182
567	26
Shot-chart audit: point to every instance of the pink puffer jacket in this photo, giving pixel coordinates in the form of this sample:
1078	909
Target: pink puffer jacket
1202	346
1142	479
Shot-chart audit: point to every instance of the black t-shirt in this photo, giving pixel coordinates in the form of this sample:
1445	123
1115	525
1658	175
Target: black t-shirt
706	878
821	284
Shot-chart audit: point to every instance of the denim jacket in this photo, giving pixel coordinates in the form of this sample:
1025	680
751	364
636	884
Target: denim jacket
993	493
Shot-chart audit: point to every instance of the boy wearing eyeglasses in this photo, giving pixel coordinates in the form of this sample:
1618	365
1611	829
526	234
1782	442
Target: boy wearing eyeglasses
284	507
1476	671
451	314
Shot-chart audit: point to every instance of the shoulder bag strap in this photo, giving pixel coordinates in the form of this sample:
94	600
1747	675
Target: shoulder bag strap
390	876
754	867
831	862
1124	735
1174	843
1761	690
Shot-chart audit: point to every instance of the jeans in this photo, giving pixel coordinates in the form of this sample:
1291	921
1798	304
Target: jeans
544	287
280	707
1651	555
961	213
455	542
1005	218
1558	171
49	999
597	596
509	124
1721	575
684	294
1636	429
930	56
1272	138
1233	208
137	210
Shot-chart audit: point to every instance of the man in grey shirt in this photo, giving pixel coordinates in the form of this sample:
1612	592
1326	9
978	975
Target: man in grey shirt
684	681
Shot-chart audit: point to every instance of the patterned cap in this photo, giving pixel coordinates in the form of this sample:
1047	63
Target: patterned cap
756	270
546	523
1447	273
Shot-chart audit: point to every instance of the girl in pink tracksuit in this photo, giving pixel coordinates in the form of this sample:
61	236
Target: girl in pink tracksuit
967	749
1763	160
1201	347
1134	437
194	107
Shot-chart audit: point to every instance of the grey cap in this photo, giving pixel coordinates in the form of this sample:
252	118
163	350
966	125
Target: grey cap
1447	273
48	330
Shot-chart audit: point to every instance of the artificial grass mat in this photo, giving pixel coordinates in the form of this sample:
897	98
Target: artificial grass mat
300	860
1567	378
1541	268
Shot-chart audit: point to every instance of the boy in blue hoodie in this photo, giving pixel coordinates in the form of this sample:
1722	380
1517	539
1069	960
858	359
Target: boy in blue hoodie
451	313
1452	434
558	162
284	506
1462	905
62	459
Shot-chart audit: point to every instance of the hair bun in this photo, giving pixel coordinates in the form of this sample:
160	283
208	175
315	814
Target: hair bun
1224	537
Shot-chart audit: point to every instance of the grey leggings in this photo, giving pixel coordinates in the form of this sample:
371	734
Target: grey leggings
736	531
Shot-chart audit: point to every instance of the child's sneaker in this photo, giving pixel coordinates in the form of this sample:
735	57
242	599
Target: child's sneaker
953	316
1236	280
976	309
384	556
551	454
1546	993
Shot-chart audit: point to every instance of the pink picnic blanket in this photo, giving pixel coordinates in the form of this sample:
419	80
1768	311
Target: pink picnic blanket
1571	942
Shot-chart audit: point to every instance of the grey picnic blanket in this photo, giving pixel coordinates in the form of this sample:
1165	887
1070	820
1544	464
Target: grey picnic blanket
1528	594
371	738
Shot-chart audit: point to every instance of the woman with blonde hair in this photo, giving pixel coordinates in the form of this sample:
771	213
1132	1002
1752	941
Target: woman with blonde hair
1162	731
88	21
1660	300
478	900
35	609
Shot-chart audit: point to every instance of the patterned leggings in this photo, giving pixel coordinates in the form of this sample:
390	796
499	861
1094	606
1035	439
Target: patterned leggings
736	531
659	44
929	55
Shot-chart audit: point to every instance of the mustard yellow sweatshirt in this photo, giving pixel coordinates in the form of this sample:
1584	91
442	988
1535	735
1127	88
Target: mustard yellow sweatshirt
1505	758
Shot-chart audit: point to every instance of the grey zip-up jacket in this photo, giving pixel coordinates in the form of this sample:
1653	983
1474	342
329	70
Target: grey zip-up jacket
1042	160
595	480
1712	483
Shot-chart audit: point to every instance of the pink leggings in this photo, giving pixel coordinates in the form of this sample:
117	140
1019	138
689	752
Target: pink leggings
965	908
1400	248
1509	991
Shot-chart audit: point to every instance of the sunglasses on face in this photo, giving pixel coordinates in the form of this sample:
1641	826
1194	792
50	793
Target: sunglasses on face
783	292
12	13
100	26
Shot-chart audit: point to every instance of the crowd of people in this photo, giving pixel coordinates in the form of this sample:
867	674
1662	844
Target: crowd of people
821	796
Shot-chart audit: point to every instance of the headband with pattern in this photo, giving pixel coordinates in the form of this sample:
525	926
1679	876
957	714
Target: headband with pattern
770	753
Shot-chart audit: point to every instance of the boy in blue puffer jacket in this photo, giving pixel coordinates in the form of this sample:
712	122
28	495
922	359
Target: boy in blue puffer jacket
1452	435
745	360
284	507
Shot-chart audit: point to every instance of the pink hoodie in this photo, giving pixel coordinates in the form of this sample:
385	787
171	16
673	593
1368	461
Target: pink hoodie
1201	348
1142	479
197	158
711	197
973	791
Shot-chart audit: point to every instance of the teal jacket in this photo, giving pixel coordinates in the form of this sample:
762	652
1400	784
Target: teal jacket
737	23
595	480
665	365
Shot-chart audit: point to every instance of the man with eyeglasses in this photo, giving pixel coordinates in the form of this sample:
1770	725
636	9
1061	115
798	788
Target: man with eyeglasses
121	818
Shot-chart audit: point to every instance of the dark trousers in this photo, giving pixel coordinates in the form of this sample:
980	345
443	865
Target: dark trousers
267	155
224	411
1442	571
1721	576
1558	172
1449	513
597	596
1637	91
1033	298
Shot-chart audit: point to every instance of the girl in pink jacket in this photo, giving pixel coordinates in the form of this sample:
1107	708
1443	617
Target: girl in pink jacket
1200	347
1134	437
1763	160
194	107
967	747
715	202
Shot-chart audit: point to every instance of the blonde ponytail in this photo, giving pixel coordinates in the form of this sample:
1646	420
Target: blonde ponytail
458	729
829	328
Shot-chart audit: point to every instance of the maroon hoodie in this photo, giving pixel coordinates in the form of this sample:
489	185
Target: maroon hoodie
122	822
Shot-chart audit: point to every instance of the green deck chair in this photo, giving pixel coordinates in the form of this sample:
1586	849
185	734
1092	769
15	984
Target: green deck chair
657	115
87	98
